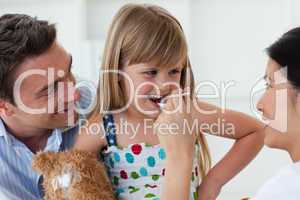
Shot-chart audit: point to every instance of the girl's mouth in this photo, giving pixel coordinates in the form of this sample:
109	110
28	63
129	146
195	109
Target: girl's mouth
157	100
160	101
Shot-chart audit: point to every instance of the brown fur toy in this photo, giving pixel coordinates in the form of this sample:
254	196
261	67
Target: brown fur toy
73	175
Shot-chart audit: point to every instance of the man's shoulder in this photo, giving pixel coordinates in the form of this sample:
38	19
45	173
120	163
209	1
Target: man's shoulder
8	195
5	148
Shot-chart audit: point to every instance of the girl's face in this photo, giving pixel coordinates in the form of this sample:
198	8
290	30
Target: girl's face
150	85
280	108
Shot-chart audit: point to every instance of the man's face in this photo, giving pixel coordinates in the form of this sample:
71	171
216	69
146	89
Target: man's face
46	82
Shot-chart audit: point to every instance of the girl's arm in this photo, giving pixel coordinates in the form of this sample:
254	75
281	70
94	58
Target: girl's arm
89	139
178	175
248	133
179	149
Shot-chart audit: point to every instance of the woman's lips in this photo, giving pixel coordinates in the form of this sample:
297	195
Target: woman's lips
266	120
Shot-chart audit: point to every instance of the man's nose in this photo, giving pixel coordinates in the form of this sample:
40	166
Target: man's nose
73	94
76	95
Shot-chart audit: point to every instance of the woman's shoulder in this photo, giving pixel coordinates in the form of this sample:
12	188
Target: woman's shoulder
284	184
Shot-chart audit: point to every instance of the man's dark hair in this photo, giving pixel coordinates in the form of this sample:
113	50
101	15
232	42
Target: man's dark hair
21	37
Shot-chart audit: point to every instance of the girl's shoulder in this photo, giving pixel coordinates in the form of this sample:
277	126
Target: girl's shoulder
91	136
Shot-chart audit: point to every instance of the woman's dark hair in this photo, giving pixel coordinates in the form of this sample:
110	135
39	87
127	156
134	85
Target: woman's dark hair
286	52
21	36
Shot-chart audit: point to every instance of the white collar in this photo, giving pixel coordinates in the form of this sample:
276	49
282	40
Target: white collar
53	143
3	132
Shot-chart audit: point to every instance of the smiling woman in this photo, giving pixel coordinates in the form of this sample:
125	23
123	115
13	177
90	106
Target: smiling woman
282	109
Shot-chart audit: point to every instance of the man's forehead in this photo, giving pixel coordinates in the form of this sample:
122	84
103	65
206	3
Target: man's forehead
44	62
56	57
37	70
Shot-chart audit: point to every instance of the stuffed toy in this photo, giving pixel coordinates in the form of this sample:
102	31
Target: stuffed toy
73	175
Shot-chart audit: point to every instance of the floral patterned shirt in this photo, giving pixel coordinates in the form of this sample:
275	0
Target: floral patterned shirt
137	171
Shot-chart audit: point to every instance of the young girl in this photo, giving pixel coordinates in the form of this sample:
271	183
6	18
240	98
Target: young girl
146	45
283	74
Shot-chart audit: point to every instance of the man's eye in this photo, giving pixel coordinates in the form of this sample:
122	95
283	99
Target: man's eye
50	91
53	88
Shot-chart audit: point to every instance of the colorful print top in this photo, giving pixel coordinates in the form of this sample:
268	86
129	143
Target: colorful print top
137	171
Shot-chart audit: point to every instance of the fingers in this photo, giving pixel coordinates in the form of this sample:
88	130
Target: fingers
171	100
178	100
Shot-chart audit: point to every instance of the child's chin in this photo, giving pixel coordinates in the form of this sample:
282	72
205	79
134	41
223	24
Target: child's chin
152	114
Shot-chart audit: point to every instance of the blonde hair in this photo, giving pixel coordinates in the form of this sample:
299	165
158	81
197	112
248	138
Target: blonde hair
142	33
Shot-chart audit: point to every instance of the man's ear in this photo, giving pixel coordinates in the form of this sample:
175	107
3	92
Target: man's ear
6	108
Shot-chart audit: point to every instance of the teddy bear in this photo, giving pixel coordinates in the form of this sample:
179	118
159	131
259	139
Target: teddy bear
73	175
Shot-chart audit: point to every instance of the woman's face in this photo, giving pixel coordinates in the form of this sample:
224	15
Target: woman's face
280	108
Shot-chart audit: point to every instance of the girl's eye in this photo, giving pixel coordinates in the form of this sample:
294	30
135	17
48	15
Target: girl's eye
174	71
151	73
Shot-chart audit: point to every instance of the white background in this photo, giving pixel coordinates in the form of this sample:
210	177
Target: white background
226	42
